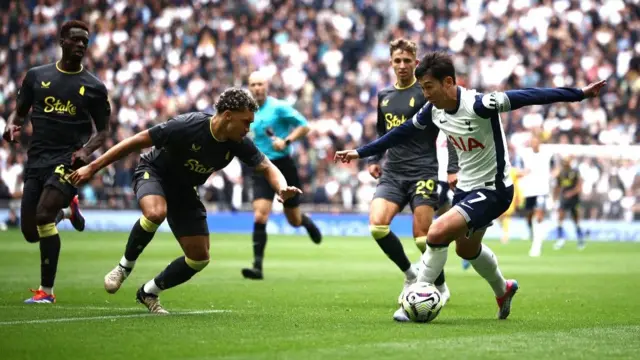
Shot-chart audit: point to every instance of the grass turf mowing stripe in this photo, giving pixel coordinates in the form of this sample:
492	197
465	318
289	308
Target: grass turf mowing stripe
105	317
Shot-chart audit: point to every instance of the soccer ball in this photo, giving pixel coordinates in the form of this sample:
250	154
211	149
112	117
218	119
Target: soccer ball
422	302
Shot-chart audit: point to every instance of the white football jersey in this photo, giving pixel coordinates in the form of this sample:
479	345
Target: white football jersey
443	156
475	131
479	141
538	165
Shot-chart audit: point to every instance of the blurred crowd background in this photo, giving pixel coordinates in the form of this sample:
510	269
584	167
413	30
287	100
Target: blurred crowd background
329	58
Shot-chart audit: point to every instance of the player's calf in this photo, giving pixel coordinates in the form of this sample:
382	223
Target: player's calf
49	243
177	272
392	247
443	230
29	233
141	235
196	249
259	242
297	219
261	211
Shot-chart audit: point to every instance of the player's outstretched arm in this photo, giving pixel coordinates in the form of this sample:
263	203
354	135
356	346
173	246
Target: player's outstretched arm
397	136
137	142
486	105
277	180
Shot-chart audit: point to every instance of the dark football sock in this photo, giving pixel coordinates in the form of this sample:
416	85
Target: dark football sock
139	237
259	244
179	271
49	254
392	246
440	279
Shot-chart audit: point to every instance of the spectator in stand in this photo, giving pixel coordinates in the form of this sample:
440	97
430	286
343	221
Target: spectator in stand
329	59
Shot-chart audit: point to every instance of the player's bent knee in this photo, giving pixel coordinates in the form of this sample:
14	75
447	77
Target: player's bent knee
31	235
197	265
379	231
44	216
196	252
261	217
154	214
437	234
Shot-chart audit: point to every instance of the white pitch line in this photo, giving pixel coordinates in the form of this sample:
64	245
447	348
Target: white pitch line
106	317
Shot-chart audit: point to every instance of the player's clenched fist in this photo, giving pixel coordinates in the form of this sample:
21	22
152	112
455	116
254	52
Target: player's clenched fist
346	156
375	170
11	133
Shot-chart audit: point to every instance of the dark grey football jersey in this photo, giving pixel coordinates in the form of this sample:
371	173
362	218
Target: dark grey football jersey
416	158
185	151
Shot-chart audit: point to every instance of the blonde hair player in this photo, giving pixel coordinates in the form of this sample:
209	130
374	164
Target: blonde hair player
410	173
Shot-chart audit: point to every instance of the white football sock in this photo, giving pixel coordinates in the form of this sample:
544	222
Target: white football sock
48	290
431	263
486	265
66	213
539	234
442	288
126	263
151	288
410	273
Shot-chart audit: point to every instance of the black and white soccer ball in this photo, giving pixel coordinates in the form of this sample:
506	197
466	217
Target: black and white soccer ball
422	302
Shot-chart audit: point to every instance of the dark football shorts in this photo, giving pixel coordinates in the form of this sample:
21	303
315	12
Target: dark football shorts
262	189
186	214
480	207
534	202
37	179
570	204
413	192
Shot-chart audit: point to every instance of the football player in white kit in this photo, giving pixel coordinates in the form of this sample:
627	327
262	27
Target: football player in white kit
444	181
471	121
535	185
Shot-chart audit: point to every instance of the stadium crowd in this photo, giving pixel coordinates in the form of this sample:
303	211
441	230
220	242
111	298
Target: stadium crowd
330	58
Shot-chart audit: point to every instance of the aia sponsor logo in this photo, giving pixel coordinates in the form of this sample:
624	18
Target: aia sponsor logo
466	143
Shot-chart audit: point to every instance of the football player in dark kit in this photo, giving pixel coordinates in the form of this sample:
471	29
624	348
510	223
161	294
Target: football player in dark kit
187	149
410	174
568	189
64	98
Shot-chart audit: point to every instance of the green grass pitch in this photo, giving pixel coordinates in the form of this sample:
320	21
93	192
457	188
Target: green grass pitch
333	301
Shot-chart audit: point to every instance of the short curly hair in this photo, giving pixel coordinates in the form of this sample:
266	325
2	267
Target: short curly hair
236	99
